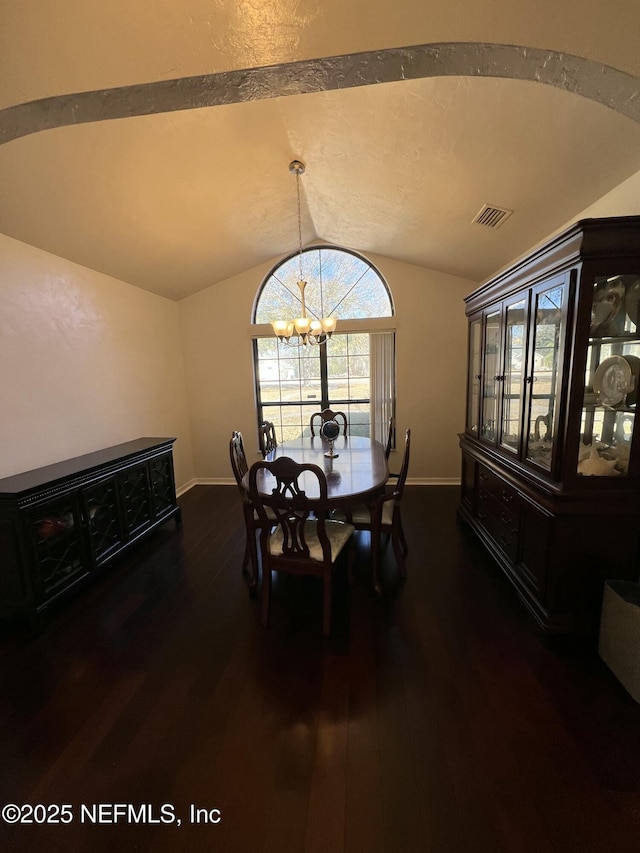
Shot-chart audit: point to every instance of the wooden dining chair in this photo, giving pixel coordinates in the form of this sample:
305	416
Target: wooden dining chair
267	436
390	432
240	468
389	445
383	516
328	415
295	535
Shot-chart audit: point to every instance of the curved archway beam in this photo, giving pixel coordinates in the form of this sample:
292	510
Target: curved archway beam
606	85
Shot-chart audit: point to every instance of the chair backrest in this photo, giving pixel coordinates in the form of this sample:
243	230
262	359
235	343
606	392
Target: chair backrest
267	436
238	457
328	415
392	427
402	476
288	507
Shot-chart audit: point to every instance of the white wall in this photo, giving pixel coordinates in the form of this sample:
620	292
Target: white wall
86	362
217	349
623	200
431	351
431	367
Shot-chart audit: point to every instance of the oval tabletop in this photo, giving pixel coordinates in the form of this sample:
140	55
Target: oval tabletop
355	475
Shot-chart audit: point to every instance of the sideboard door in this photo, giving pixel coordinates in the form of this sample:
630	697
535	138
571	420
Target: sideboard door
54	536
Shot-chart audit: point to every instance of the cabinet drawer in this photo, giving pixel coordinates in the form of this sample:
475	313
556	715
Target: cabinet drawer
497	487
500	523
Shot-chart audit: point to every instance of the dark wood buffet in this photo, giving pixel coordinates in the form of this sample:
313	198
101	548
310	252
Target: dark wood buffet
551	451
61	523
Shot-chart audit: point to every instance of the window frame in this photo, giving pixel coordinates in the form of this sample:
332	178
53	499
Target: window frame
346	325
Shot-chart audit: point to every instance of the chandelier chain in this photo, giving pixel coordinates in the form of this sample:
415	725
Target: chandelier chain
299	223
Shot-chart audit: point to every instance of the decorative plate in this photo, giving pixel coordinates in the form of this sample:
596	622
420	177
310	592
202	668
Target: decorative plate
613	380
632	302
608	299
634	364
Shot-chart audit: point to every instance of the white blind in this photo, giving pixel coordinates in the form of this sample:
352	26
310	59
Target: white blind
382	349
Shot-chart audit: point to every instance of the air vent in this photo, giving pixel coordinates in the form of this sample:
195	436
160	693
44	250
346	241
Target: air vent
491	216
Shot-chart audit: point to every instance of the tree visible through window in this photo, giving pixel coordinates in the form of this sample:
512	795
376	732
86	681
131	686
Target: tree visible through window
293	381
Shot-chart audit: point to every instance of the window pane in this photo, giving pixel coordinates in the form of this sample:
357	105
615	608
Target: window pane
359	367
359	418
339	284
337	365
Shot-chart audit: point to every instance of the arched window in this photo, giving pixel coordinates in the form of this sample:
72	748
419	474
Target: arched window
339	284
354	371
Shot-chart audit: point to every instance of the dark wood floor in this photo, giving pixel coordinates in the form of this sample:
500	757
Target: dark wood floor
433	720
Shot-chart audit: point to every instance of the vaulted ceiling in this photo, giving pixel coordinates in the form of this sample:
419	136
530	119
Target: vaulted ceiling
151	140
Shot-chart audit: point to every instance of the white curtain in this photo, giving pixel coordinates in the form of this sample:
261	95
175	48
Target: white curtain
382	350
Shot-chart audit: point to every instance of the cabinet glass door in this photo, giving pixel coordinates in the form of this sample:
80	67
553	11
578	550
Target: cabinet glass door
490	376
102	518
612	378
475	364
512	379
545	372
136	498
57	540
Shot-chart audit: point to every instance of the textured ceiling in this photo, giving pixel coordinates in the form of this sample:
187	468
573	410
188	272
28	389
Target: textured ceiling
175	201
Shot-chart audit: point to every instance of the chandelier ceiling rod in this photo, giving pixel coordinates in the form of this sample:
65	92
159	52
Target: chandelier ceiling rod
298	169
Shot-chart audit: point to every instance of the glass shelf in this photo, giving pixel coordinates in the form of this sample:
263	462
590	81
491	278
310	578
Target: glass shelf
612	339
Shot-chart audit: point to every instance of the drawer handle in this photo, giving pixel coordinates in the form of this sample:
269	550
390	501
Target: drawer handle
482	494
484	476
506	496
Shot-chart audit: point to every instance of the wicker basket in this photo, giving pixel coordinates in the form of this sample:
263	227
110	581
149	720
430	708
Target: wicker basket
620	633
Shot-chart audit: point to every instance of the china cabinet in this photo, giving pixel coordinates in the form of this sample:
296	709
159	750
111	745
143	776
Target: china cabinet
61	523
551	446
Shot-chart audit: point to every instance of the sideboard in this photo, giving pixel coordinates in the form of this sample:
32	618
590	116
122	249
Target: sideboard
62	523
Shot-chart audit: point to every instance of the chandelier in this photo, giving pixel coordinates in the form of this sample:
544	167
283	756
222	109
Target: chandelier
306	330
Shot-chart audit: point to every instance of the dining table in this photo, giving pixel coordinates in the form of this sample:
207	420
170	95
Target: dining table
356	474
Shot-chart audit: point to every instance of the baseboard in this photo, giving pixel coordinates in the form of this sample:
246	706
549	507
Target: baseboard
180	490
433	481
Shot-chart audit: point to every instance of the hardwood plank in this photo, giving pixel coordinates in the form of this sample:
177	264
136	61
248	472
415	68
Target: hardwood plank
326	818
364	827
